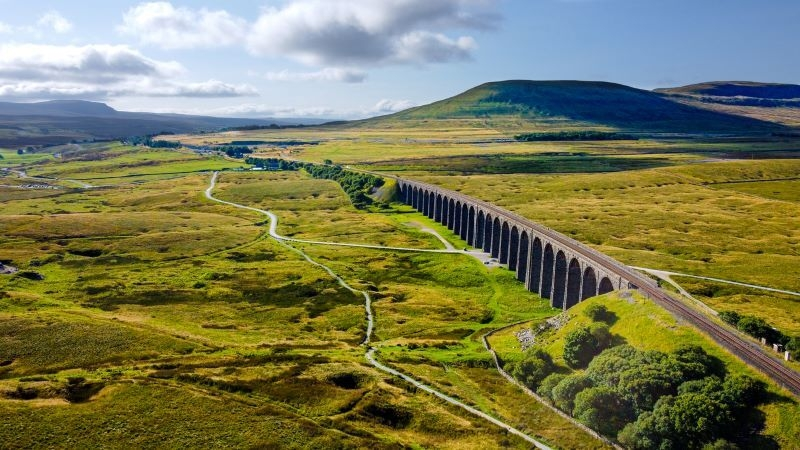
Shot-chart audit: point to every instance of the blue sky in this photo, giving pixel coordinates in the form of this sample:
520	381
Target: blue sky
354	58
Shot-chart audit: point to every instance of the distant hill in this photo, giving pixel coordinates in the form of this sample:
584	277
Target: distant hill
547	105
62	121
748	89
773	102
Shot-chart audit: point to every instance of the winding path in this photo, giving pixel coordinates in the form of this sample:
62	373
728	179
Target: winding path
370	354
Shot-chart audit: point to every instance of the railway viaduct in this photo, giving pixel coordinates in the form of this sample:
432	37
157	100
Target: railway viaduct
565	271
553	265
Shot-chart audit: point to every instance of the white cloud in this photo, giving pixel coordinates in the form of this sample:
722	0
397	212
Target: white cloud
161	24
357	32
322	33
327	74
32	71
54	20
5	28
387	106
259	110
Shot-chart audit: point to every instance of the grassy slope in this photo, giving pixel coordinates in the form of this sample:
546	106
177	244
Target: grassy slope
560	104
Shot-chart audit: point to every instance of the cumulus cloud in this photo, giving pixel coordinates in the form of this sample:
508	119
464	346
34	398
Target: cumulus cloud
327	74
355	32
323	33
161	24
54	20
31	71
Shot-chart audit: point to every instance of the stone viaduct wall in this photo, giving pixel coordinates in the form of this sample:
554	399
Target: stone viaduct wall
553	265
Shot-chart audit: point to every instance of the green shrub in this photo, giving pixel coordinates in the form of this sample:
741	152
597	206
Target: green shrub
531	370
579	347
565	392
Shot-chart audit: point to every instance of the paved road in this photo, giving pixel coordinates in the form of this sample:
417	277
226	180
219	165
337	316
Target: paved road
370	354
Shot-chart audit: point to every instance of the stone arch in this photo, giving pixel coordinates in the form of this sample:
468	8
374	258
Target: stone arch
559	280
451	214
522	259
462	232
445	210
425	197
496	238
487	234
504	239
535	271
431	204
605	286
437	213
574	278
547	272
414	194
457	218
471	226
589	285
480	226
513	248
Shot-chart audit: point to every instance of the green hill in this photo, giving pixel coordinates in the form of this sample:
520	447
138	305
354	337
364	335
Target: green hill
553	105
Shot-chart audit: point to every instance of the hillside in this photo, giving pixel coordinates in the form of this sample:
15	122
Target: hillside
61	121
575	104
744	89
772	102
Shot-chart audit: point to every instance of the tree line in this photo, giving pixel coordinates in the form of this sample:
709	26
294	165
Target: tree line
583	135
356	185
760	329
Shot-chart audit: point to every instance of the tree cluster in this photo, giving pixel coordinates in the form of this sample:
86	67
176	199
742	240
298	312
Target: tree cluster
235	151
583	135
148	141
657	400
356	185
280	164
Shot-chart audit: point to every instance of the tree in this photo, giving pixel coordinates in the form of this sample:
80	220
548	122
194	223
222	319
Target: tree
545	389
531	370
598	312
605	369
731	317
564	393
602	409
793	345
695	363
579	347
20	151
689	420
758	328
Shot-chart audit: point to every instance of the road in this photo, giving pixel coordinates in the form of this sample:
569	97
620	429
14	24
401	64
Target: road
667	274
370	353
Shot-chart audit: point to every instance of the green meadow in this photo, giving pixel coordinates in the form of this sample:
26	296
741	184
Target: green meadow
145	314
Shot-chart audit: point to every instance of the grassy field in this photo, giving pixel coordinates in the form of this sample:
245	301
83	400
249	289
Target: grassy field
140	295
157	317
